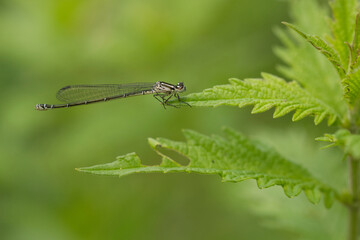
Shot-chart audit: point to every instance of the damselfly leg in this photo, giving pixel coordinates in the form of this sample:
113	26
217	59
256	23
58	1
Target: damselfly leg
181	101
164	98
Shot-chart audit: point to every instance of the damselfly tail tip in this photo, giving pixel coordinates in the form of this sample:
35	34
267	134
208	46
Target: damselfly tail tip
40	107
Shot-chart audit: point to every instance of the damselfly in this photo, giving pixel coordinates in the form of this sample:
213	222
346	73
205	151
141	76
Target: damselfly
76	95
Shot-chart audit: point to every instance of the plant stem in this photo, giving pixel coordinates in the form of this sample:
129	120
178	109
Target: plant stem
354	205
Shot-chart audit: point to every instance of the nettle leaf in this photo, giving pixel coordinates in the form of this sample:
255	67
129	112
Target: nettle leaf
264	94
323	47
352	87
305	64
235	158
342	26
355	46
350	143
351	83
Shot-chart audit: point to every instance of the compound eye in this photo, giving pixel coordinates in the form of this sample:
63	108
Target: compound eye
180	85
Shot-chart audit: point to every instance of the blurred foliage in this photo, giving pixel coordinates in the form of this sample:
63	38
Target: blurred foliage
45	45
350	143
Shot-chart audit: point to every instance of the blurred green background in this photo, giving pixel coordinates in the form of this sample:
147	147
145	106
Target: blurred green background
45	45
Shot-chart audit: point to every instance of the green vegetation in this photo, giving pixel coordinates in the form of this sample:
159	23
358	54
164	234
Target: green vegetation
324	90
46	45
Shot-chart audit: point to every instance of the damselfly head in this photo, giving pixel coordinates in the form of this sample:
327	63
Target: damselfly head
180	87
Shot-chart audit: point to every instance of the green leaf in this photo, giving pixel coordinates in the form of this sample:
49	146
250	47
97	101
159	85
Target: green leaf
355	46
352	87
235	158
342	26
271	91
350	143
351	83
302	62
323	47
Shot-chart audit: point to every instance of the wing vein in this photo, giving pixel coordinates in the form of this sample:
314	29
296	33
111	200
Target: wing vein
78	93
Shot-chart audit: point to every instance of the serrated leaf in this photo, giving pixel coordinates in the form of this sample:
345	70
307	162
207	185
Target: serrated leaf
355	46
235	158
271	91
323	47
302	62
351	82
350	143
342	26
352	87
327	138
